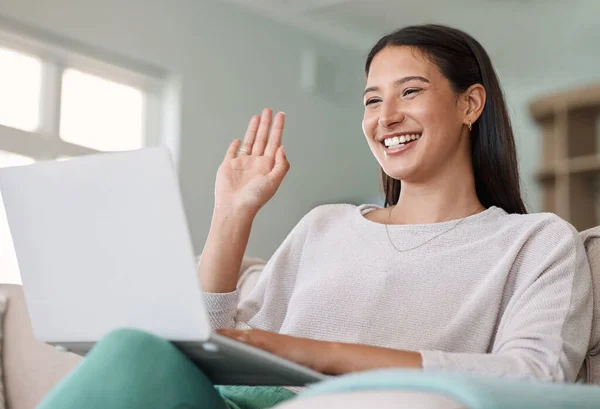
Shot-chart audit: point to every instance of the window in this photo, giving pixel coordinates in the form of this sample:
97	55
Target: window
100	114
57	103
20	86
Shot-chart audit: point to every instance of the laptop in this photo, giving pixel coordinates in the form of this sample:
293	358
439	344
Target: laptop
102	243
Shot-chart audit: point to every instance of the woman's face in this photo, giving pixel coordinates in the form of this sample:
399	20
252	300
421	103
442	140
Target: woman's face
413	120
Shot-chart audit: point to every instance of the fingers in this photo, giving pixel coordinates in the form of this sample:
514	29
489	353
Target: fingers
263	132
250	135
232	150
257	140
231	333
254	337
276	134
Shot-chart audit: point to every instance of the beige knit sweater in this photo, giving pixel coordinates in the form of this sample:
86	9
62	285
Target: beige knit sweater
499	294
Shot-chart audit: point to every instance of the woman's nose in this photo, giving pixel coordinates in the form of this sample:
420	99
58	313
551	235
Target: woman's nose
390	115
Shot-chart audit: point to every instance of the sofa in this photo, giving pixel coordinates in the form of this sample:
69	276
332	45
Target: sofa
31	368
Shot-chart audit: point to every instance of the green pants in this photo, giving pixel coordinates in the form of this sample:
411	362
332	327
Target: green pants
131	369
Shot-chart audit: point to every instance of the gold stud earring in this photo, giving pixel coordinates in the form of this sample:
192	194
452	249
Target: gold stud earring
470	126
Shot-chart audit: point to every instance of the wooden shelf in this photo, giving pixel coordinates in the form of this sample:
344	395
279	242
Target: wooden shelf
581	164
584	164
579	99
544	175
571	155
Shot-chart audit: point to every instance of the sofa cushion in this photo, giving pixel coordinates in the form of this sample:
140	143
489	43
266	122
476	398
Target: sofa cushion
472	390
3	302
591	240
31	368
250	272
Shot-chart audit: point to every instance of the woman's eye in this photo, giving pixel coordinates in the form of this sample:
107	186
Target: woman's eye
410	91
372	101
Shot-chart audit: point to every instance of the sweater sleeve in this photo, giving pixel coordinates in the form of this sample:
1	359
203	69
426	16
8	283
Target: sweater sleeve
545	328
266	305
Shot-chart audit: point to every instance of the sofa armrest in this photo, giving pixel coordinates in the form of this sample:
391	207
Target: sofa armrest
248	279
31	367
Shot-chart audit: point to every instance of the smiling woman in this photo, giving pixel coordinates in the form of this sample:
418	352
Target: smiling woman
450	87
450	275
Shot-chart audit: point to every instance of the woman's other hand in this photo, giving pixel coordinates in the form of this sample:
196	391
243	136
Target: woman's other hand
306	352
331	358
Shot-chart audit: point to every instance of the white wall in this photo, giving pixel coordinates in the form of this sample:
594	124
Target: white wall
230	64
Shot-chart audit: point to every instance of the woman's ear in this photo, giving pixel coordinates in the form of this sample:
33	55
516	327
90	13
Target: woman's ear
474	102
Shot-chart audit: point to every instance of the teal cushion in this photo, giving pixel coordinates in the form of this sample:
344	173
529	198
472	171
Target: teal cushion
474	391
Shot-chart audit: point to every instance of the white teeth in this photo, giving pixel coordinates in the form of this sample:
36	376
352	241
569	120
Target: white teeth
401	140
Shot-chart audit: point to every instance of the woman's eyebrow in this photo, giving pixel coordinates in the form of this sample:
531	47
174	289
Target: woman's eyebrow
398	82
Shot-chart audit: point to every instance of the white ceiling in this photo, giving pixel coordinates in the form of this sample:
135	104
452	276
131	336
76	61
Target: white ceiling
526	38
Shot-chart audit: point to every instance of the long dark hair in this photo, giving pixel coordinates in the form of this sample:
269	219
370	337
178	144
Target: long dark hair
462	60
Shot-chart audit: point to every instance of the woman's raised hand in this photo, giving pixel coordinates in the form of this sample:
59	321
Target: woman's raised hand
251	173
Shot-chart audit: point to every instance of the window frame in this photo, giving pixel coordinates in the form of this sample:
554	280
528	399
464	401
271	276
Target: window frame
57	55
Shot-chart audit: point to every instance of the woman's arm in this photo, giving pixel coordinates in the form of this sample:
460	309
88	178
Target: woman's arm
332	358
340	358
544	331
247	179
224	250
343	358
266	305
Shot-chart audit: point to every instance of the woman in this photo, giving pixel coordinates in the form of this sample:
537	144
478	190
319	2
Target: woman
451	274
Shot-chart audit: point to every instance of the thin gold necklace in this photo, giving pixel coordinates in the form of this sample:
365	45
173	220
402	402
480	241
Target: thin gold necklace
428	240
